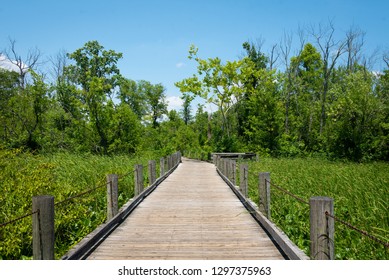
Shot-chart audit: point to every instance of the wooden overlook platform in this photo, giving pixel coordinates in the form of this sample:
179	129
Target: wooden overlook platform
192	214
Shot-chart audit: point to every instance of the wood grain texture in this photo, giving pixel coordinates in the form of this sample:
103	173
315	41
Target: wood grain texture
193	214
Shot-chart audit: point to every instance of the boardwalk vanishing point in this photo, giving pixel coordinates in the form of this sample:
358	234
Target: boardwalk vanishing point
192	214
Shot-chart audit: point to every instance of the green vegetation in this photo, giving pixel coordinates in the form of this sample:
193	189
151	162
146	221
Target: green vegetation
360	193
63	135
62	175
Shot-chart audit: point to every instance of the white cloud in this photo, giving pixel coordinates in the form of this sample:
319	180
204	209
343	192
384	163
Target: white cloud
376	74
9	65
180	64
174	103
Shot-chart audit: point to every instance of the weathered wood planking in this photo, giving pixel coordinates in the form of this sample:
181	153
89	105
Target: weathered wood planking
193	214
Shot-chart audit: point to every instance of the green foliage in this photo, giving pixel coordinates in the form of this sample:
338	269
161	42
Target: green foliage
156	103
217	83
354	112
62	175
360	197
131	93
92	61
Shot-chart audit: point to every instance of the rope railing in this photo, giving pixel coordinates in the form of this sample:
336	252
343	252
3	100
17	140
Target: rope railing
91	189
65	200
288	193
321	208
126	174
18	218
80	194
111	183
363	232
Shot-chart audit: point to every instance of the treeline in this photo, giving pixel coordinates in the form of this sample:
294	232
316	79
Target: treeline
87	107
323	98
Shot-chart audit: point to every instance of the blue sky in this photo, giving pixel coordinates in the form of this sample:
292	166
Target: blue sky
154	36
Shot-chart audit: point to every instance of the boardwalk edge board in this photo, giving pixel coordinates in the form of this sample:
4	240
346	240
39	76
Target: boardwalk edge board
88	244
278	236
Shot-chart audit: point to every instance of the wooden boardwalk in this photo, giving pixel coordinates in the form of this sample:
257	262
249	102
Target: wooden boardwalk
193	214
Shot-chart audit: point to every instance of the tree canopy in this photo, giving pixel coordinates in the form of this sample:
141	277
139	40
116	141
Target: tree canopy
323	100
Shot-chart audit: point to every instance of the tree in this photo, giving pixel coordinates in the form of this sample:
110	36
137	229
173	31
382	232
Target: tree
331	50
9	81
264	121
255	55
22	65
96	71
27	114
251	82
186	110
92	61
308	69
356	117
125	130
353	47
155	101
381	141
130	93
220	84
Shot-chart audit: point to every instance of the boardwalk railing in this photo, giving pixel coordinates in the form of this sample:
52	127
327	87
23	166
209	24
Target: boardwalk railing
227	170
322	219
90	242
43	210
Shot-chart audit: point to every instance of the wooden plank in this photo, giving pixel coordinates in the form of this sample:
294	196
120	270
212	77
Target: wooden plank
279	237
92	240
193	214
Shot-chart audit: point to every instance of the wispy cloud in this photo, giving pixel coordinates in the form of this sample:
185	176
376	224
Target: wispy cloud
180	64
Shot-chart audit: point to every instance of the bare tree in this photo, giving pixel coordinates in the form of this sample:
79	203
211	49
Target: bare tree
22	65
274	55
331	50
355	39
386	58
285	48
291	72
58	64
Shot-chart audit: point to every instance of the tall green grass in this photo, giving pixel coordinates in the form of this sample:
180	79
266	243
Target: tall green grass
62	175
360	193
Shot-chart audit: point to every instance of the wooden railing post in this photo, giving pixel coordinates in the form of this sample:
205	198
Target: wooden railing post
233	172
264	193
321	228
161	167
112	196
230	171
43	227
243	176
169	162
227	165
152	172
138	179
